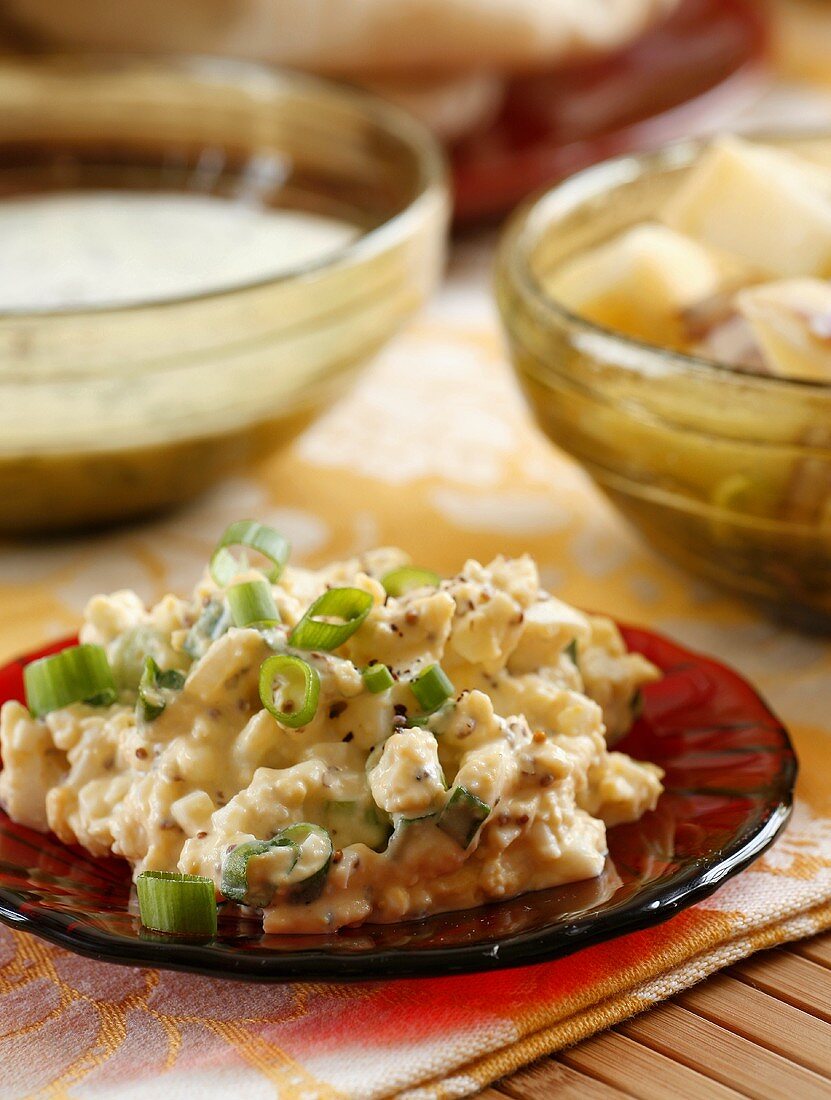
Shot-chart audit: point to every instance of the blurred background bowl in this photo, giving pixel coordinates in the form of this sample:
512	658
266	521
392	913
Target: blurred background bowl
116	411
726	472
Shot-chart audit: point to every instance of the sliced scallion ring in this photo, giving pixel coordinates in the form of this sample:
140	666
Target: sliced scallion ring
183	904
154	688
298	685
214	620
462	816
78	674
309	886
377	678
235	885
252	604
636	703
571	651
251	535
408	577
315	631
432	688
294	866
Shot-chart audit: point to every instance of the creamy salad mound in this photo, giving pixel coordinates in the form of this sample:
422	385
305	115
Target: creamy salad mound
372	744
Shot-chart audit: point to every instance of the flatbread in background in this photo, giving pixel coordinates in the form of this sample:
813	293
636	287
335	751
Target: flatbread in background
451	106
346	37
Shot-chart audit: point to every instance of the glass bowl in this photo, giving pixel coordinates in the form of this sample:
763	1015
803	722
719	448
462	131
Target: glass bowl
113	411
726	472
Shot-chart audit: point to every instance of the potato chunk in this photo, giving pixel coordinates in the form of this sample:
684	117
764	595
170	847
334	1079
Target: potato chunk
639	283
765	205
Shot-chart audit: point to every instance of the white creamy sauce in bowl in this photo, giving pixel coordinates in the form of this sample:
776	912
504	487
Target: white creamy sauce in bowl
76	249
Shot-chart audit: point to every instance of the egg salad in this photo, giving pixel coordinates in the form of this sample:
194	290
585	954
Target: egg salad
365	742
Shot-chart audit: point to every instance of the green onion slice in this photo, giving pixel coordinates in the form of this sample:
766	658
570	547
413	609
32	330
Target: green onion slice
315	631
78	674
462	816
432	688
636	703
299	860
252	604
571	651
377	678
252	536
318	861
406	578
154	688
235	885
184	904
298	685
213	622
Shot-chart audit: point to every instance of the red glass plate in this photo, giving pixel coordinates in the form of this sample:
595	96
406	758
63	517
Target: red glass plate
689	71
730	771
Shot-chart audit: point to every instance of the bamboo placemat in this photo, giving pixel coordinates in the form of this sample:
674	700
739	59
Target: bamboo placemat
760	1029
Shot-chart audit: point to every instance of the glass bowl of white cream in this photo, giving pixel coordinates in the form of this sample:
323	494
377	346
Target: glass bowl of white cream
197	255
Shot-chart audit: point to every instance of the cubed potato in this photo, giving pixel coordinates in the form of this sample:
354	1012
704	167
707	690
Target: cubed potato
765	205
639	283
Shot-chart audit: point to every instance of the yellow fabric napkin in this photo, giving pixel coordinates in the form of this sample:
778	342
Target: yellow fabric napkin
434	452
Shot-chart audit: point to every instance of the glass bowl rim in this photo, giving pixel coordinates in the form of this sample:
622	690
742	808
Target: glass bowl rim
538	215
431	184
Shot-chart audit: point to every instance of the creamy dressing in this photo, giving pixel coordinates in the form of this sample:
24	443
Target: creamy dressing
78	249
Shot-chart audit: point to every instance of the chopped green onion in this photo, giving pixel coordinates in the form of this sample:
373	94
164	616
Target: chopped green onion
314	631
308	888
405	830
212	623
377	678
304	882
235	885
299	689
432	688
153	688
78	674
254	536
127	652
358	821
571	650
185	904
403	822
462	816
252	604
406	578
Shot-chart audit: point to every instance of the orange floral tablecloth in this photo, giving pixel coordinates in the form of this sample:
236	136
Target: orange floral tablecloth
434	452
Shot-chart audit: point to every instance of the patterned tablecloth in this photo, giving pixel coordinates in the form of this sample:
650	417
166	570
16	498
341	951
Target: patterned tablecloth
435	452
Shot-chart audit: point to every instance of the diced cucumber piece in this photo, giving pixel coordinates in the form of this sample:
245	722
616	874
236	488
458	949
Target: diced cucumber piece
462	816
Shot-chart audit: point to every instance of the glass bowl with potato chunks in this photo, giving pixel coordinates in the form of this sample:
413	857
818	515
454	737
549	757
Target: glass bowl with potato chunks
669	317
